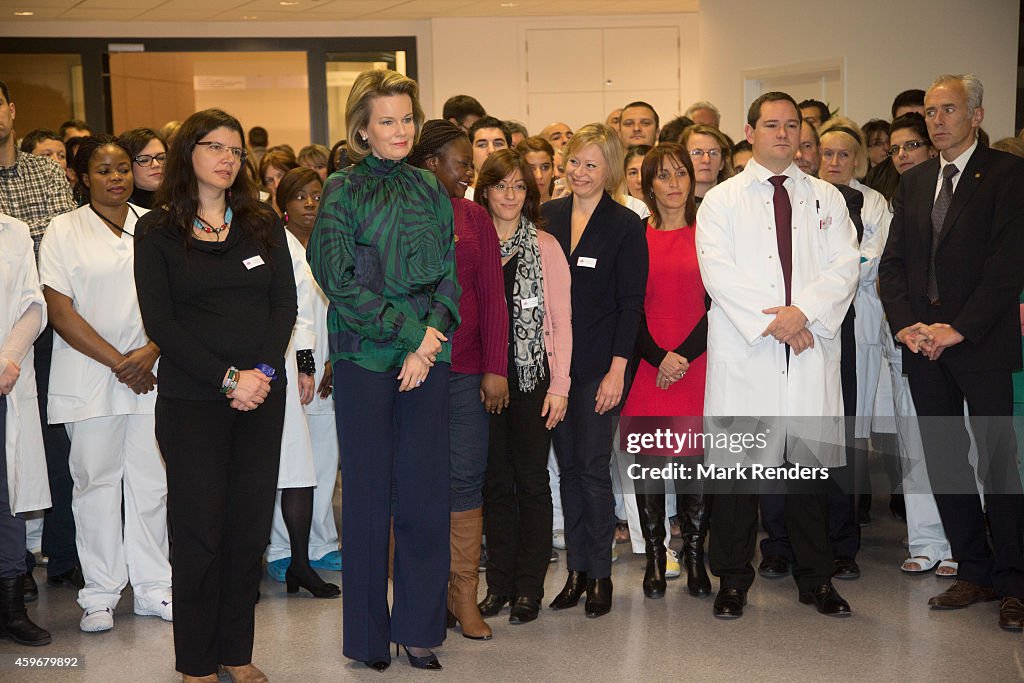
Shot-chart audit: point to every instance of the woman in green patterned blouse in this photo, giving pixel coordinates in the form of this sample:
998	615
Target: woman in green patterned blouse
383	252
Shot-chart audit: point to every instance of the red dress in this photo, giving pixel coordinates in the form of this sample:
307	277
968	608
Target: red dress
673	306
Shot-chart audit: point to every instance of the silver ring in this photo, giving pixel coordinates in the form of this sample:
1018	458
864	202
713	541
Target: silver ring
419	382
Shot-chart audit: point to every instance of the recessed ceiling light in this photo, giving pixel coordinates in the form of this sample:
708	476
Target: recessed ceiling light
248	16
286	3
510	4
23	13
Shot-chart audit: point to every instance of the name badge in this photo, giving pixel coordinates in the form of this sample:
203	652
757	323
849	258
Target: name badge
529	303
586	262
252	262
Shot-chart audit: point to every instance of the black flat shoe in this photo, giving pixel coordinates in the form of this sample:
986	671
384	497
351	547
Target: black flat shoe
599	597
72	577
324	590
827	600
773	567
524	610
492	604
428	662
380	665
729	603
898	506
846	569
575	585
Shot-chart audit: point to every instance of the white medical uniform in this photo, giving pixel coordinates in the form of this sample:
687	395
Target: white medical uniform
111	428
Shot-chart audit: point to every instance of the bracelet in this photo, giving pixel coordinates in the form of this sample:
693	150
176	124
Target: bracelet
266	370
305	361
230	381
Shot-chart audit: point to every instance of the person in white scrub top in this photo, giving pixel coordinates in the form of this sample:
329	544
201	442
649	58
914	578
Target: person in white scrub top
102	388
24	485
304	536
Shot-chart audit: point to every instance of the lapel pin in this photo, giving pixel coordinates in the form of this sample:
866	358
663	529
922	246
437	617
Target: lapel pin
977	175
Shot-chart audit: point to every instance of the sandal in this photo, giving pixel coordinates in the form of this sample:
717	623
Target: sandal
950	566
923	563
621	532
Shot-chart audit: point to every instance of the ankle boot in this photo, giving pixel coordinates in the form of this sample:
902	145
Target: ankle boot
694	514
652	523
466	531
14	621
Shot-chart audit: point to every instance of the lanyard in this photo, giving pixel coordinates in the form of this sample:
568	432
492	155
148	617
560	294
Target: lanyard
112	223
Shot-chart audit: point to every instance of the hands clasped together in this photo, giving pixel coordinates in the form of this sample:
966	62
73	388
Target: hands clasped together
136	369
789	327
929	340
418	363
253	388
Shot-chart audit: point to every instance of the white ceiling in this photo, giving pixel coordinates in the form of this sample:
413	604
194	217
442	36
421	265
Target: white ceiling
321	10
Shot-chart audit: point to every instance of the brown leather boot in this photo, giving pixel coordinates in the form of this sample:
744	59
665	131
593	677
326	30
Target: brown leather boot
209	678
466	530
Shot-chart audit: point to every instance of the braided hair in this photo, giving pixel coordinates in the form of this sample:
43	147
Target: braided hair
434	135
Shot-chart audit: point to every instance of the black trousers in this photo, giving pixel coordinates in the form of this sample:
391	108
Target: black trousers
733	534
939	391
222	467
58	523
517	497
583	446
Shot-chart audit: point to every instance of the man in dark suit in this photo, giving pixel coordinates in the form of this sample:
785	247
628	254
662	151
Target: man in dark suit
950	278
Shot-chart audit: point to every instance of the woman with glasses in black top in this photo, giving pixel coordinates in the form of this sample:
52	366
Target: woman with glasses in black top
148	153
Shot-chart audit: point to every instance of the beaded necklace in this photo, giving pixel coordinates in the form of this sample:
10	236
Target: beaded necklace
200	224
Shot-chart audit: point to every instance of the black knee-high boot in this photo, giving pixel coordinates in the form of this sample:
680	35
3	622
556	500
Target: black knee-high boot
652	522
694	516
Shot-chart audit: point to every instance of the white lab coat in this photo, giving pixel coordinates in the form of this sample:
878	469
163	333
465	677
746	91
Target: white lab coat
28	486
296	469
876	217
748	375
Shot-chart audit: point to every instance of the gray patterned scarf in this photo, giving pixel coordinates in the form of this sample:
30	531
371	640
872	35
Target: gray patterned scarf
528	321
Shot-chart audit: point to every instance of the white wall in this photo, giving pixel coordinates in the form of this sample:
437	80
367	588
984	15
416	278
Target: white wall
888	47
485	57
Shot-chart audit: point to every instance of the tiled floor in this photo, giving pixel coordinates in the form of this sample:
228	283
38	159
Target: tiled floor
891	636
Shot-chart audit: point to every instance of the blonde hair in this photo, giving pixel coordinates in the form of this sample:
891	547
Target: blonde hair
845	126
367	87
607	140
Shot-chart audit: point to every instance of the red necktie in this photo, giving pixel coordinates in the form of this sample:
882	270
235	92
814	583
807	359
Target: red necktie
784	231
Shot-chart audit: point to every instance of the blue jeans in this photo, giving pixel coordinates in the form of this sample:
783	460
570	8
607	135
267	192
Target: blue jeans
468	433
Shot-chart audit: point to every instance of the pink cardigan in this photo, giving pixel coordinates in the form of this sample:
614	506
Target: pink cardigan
557	312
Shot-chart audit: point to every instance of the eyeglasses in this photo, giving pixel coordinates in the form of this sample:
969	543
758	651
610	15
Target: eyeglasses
147	159
712	153
518	188
218	149
908	147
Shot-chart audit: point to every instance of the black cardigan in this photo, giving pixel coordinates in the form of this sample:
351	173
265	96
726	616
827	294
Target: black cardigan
608	288
212	306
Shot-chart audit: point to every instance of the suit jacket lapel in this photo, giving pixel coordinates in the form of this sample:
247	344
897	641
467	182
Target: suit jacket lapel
970	178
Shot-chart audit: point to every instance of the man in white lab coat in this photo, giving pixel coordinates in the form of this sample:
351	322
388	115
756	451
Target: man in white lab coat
778	300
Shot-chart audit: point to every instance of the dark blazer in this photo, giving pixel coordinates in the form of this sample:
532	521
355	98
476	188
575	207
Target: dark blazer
608	298
979	263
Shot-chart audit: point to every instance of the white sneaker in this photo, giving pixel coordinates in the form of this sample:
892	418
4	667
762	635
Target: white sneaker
672	568
97	620
558	539
164	610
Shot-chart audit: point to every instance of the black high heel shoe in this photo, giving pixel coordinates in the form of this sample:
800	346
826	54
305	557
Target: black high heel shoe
428	662
325	590
575	585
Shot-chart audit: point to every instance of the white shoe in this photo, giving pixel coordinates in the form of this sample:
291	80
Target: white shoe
97	620
164	610
672	568
558	539
615	552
